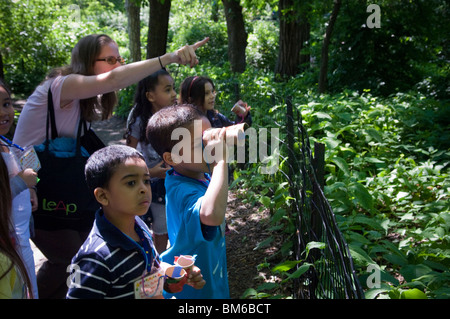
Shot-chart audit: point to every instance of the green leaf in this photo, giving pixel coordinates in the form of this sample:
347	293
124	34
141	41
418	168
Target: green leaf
341	163
300	271
374	134
362	196
264	243
413	294
250	292
331	143
374	292
360	257
373	160
322	116
314	244
266	201
286	265
411	272
372	222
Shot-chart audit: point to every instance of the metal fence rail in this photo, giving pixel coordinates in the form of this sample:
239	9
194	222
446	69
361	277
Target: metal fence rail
333	275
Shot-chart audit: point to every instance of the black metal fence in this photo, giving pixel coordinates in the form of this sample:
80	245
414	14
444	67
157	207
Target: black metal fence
332	275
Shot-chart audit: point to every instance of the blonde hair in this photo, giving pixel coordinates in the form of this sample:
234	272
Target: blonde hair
84	55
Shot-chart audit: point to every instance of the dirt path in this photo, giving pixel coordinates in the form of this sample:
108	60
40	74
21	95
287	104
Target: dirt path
247	226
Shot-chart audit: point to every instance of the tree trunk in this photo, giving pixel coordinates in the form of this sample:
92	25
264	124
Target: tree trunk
133	8
237	37
323	81
294	32
305	31
158	26
2	74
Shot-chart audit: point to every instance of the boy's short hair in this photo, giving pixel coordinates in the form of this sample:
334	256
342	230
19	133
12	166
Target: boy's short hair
102	164
165	121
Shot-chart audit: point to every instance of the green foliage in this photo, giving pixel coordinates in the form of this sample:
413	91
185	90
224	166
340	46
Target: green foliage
38	35
387	180
262	45
387	152
186	26
395	57
28	46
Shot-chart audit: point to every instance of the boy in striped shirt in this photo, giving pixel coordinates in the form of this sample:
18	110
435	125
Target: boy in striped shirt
118	259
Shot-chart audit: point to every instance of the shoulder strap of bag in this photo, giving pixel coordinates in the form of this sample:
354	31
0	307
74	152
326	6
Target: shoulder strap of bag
85	128
78	145
52	121
51	116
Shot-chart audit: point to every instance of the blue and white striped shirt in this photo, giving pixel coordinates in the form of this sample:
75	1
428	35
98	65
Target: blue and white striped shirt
109	262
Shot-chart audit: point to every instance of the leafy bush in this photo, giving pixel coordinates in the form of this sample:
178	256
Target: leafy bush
262	48
186	26
387	180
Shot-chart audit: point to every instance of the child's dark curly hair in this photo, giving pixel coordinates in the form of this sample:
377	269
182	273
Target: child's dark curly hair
142	106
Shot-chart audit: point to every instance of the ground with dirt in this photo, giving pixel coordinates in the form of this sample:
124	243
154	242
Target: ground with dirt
246	223
248	227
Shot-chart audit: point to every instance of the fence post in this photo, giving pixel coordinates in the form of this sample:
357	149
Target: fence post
290	137
318	163
317	178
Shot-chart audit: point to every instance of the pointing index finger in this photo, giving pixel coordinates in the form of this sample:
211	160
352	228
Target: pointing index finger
198	44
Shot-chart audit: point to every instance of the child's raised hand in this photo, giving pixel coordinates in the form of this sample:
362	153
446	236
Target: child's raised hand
195	278
215	145
241	108
159	170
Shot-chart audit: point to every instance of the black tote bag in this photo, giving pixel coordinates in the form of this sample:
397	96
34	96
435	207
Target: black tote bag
89	140
64	199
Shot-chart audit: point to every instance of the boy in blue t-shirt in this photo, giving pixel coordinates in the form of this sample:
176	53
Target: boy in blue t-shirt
196	195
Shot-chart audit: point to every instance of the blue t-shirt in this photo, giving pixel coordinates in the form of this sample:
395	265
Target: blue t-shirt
188	236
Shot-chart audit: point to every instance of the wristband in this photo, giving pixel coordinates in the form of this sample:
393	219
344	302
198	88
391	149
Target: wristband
160	63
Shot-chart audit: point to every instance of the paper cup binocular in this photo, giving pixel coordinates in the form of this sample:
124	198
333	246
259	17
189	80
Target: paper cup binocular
239	109
177	275
234	134
185	261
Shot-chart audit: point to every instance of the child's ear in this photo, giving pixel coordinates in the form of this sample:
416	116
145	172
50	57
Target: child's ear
150	96
101	196
167	157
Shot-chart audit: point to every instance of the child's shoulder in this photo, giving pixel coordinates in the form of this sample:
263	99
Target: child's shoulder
184	184
95	245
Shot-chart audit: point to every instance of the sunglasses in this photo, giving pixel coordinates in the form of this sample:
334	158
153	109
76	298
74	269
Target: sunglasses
113	60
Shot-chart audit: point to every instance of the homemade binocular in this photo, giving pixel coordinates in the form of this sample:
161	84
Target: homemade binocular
235	134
